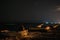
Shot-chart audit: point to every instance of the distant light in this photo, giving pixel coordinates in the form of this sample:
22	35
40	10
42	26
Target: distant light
47	22
58	9
59	22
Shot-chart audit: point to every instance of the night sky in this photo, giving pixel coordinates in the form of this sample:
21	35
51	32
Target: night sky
30	11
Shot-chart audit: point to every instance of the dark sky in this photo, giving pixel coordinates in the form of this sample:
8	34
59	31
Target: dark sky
30	11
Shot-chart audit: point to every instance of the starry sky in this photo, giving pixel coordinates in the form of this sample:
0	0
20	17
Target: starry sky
30	11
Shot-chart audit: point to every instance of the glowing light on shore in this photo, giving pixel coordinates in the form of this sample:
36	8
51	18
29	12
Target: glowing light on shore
48	28
55	26
5	31
40	25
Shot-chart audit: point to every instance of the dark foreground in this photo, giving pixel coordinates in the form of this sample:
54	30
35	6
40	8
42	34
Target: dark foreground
34	36
41	32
